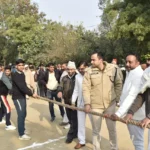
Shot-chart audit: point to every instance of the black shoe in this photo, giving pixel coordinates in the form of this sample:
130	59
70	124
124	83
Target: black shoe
75	137
63	123
52	119
68	141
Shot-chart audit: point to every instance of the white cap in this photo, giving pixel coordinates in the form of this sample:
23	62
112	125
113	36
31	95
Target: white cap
26	66
71	65
123	68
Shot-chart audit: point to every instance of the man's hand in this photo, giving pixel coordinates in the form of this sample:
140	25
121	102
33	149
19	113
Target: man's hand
73	105
144	123
35	95
114	117
118	104
128	117
87	108
106	115
59	95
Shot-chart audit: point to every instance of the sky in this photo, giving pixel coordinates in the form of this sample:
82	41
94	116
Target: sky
72	11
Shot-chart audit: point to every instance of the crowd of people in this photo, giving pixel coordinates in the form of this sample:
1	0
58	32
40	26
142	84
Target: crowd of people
100	87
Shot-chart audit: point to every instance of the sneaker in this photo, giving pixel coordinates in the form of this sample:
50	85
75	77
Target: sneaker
10	127
24	137
26	132
2	122
67	126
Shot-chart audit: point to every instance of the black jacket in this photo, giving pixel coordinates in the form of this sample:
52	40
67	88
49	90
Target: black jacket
41	77
5	84
57	76
19	86
66	87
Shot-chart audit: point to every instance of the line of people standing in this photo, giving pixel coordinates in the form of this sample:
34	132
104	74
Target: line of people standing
65	84
97	88
102	90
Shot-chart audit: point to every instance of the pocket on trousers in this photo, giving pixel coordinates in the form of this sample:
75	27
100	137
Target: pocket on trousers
49	94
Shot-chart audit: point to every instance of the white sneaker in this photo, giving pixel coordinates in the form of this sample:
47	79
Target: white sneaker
67	126
2	122
26	132
24	137
10	127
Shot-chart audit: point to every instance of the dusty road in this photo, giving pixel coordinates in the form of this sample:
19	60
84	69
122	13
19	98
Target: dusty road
50	136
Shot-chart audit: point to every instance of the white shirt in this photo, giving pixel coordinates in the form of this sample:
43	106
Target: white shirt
1	73
146	80
131	88
77	93
52	82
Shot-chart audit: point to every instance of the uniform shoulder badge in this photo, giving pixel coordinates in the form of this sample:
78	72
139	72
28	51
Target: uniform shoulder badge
94	71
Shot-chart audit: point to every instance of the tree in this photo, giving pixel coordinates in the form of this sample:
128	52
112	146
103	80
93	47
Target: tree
131	24
25	33
21	27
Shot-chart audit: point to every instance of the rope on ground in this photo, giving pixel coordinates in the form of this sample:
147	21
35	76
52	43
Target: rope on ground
133	122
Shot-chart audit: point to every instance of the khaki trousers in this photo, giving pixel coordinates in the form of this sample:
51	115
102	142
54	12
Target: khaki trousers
111	126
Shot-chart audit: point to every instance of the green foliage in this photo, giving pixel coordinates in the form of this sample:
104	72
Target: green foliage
21	29
132	23
26	33
145	57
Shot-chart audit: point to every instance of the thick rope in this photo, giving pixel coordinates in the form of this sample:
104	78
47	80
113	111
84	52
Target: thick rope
133	122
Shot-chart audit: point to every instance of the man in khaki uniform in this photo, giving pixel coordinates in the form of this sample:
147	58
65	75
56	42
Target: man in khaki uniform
102	87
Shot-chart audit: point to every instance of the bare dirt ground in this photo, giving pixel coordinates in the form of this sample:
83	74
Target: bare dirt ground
50	136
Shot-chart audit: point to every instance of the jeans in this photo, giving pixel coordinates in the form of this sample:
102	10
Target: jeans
20	105
137	136
42	90
51	95
5	110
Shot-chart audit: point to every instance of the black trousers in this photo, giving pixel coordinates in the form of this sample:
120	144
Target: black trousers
5	109
51	95
146	99
72	116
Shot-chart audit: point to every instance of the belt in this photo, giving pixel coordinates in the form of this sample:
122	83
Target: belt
52	90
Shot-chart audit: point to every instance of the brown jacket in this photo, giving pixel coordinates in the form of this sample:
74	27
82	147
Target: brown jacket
100	88
119	72
66	87
29	78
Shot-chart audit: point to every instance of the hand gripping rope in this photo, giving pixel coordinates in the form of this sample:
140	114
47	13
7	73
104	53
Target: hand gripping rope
133	122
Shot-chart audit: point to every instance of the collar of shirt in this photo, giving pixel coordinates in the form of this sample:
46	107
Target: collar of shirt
70	77
1	73
19	72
